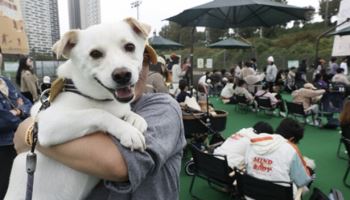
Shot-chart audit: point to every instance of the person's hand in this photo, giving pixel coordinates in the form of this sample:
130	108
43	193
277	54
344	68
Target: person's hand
18	140
20	102
13	112
16	112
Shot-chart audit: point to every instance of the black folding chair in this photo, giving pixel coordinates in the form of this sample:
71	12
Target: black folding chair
297	110
346	142
344	133
259	189
242	103
212	169
264	104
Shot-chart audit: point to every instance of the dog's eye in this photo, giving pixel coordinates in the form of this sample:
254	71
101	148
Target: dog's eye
96	54
129	47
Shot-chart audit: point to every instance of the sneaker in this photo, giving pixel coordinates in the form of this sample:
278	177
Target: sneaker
283	114
225	101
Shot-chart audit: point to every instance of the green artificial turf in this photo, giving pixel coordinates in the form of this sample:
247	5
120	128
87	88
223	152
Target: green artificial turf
318	144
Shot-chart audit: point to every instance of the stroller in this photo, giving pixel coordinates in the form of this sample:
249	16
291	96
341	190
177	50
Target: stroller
202	129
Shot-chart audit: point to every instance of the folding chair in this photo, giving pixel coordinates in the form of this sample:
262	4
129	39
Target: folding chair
344	133
242	103
297	110
346	142
259	189
264	104
212	169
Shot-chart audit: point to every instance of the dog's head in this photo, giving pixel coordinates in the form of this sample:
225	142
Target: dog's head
110	55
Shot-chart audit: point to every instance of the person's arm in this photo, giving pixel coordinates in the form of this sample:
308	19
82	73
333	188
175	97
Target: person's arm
95	154
299	173
313	93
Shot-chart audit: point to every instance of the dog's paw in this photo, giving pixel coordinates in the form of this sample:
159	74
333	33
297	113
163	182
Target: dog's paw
133	139
137	121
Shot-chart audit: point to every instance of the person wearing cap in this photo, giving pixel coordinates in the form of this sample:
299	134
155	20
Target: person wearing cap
308	96
155	79
271	73
129	175
46	83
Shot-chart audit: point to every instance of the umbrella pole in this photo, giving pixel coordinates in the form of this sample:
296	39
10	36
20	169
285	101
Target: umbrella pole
225	58
191	58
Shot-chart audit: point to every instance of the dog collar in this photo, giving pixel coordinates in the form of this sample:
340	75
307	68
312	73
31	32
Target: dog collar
70	87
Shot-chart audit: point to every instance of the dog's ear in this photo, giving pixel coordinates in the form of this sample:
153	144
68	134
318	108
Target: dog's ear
140	28
63	46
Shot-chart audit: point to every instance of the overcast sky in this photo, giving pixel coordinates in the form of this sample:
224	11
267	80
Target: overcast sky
150	11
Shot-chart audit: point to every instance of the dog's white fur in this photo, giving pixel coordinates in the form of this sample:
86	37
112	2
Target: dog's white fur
72	116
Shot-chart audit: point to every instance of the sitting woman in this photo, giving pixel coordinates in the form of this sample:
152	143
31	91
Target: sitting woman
319	82
241	90
181	97
227	92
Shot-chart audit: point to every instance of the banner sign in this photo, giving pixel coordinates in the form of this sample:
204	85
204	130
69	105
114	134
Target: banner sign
13	39
341	45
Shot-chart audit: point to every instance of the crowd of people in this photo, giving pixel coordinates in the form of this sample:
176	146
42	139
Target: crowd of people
257	149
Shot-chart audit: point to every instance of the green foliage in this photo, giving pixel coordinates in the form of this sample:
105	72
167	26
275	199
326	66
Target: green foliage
286	44
333	8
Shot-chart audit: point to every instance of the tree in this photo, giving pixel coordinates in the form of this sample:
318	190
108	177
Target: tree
328	8
182	35
214	35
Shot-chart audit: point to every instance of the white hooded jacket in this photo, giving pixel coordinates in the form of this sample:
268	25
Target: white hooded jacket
273	158
234	147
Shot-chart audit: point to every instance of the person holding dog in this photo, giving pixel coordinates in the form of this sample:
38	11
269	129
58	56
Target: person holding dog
152	174
13	108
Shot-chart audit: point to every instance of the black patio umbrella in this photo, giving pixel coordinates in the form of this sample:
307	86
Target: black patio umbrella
240	13
230	44
158	42
341	32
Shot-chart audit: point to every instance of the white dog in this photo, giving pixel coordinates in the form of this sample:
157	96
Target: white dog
104	65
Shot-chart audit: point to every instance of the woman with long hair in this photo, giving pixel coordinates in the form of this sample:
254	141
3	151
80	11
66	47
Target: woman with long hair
344	119
26	79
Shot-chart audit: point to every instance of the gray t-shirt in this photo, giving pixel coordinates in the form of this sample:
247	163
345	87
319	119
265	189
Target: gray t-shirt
153	174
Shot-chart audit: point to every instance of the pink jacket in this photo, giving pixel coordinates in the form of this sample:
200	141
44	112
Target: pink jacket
306	96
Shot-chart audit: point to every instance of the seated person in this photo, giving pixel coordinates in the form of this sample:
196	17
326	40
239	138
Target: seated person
227	92
340	77
276	157
181	97
308	96
241	89
265	93
319	82
235	146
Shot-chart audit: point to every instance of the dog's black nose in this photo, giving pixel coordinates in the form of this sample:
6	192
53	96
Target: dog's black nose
122	76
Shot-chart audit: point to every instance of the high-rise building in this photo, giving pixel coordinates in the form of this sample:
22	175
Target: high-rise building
84	13
41	24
